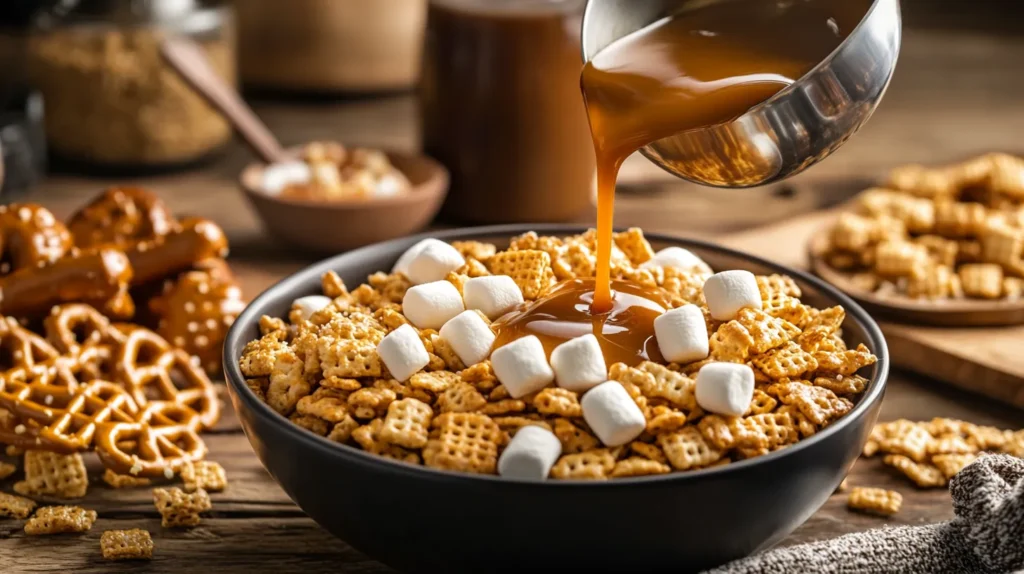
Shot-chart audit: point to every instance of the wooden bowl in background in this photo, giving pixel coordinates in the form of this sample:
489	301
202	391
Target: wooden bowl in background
332	227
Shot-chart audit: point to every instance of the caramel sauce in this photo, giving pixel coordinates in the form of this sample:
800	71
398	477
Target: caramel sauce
625	331
697	69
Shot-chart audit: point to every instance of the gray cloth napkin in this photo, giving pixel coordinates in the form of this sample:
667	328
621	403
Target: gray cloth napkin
987	535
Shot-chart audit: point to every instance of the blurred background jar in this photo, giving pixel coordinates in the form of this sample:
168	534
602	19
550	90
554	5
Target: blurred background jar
502	109
330	45
110	99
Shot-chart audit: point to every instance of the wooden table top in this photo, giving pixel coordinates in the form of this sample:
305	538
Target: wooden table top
955	94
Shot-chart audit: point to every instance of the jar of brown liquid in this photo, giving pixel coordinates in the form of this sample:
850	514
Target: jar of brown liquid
502	109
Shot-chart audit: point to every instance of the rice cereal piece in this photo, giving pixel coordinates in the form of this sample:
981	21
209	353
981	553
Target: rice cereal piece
761	403
60	520
988	438
342	431
443	349
475	249
530	269
512	424
259	355
787	361
466	442
941	250
313	424
15	506
844	362
648	451
460	398
179	509
982	280
687	449
590	465
767	332
842	384
52	474
667	384
368	403
874	500
951	464
134	544
7	469
325	403
775	285
1013	288
664	419
574	439
924	475
913	443
348	358
287	383
332	285
434	382
956	219
259	387
504	407
407	423
1014	444
851	232
818	404
718	431
950	444
773	430
899	258
558	402
634	245
368	437
115	480
731	343
639	466
204	475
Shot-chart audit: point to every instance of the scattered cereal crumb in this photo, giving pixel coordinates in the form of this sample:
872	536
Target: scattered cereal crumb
134	544
875	500
59	520
179	509
15	506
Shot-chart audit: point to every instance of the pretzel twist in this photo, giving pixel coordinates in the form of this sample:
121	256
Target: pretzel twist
140	449
120	217
30	236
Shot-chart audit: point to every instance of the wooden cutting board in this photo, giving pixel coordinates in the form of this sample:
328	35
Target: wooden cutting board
987	361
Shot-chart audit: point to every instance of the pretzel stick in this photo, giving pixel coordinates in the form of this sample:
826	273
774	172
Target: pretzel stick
101	276
198	239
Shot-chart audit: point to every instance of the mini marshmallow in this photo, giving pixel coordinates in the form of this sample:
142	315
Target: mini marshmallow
278	176
310	304
729	291
725	388
530	454
469	336
402	265
682	334
522	366
493	295
579	364
434	262
403	352
431	305
676	257
612	414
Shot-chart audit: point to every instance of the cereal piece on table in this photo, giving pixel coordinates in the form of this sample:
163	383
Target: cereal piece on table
578	364
1014	444
852	232
574	439
931	282
959	219
403	353
842	384
950	464
115	480
60	520
7	469
612	414
304	307
466	442
787	361
899	258
459	398
676	258
52	474
818	404
988	438
950	444
522	366
942	251
558	402
530	269
433	262
667	384
844	362
431	305
725	388
639	466
204	475
1013	288
179	509
682	334
134	544
530	455
493	295
731	343
663	419
468	336
15	506
729	291
923	475
912	442
982	280
874	500
407	423
591	465
1002	245
686	449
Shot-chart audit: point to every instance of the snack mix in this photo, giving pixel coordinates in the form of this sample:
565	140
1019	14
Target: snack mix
400	367
951	232
327	171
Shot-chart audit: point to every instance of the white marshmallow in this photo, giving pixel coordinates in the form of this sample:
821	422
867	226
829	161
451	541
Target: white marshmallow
310	304
676	257
729	291
278	176
522	366
530	454
579	364
403	352
431	305
682	334
493	295
725	388
469	336
402	265
434	262
612	414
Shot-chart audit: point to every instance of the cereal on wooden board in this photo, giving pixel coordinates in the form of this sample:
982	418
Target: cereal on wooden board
875	500
134	544
60	520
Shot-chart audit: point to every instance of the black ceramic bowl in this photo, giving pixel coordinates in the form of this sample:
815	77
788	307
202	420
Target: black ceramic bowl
422	520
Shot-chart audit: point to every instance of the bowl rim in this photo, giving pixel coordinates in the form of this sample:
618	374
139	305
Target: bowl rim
236	381
434	186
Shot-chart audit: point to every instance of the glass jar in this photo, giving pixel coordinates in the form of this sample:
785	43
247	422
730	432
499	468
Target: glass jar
111	100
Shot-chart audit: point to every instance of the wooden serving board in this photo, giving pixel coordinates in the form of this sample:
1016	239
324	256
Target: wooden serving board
988	361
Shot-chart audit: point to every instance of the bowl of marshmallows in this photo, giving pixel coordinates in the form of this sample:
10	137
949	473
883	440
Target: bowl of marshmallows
432	514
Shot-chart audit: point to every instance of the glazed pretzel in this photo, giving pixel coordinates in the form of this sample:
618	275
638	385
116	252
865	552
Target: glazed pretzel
22	350
140	449
121	217
65	323
152	370
196	240
30	236
100	277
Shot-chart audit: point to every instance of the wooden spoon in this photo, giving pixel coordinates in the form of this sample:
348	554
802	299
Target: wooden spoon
188	59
